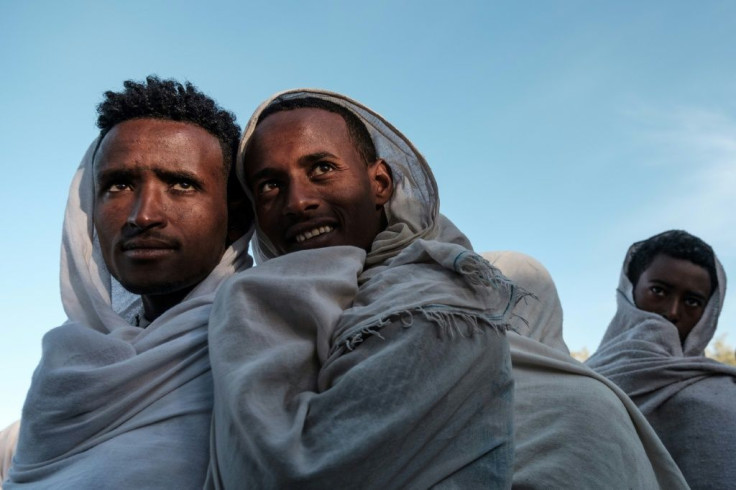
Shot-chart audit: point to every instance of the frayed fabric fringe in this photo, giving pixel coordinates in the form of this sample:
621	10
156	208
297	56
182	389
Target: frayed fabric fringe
450	323
479	272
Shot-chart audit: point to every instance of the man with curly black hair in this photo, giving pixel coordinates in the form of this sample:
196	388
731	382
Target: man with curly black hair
673	274
670	295
122	396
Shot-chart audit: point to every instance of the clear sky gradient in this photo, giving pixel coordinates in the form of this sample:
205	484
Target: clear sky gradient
566	130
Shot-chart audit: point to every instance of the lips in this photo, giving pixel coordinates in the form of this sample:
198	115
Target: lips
143	248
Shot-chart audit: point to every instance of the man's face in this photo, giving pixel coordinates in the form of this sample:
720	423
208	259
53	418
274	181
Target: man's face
310	186
160	204
677	289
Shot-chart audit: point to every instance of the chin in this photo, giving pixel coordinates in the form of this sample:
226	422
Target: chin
148	288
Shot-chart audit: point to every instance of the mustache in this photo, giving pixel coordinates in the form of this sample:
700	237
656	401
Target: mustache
151	239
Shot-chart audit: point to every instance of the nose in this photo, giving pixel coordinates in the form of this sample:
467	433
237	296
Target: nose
147	210
301	198
672	311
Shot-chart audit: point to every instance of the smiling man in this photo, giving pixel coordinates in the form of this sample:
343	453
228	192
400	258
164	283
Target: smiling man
315	191
122	397
670	294
367	349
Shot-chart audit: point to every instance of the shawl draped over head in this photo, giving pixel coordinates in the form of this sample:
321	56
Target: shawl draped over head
690	400
337	368
574	429
113	405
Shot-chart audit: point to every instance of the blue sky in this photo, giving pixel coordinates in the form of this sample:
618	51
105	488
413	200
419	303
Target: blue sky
566	130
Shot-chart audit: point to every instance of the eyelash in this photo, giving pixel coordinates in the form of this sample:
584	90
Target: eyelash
114	187
189	185
329	167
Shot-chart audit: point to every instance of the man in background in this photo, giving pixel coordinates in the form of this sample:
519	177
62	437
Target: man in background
670	295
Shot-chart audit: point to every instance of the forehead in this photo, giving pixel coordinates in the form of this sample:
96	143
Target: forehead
159	142
301	130
679	272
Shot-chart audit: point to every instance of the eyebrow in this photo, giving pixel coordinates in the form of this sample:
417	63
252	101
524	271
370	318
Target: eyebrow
688	291
181	174
114	174
697	295
315	157
165	175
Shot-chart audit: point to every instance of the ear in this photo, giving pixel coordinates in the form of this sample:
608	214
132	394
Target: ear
382	181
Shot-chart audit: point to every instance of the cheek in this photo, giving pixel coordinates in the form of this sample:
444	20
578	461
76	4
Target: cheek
207	220
644	299
696	314
358	199
266	216
106	220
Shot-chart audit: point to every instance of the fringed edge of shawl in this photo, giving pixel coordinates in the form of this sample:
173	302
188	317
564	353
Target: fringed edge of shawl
479	272
450	323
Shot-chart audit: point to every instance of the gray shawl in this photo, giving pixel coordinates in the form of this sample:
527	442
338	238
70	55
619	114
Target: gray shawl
690	400
113	405
335	368
574	429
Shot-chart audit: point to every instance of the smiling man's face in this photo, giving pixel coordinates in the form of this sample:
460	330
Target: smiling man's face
310	186
160	205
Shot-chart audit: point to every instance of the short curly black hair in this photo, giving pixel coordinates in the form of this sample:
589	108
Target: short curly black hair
677	244
357	131
169	99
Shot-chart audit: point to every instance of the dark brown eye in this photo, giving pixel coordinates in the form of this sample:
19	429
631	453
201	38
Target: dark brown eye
267	187
184	185
118	187
322	168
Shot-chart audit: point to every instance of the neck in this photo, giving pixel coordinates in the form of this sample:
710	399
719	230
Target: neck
155	305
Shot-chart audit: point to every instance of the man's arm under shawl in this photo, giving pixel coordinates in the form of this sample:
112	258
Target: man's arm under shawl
404	409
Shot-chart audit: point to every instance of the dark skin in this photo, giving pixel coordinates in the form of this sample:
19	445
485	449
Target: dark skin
676	289
310	185
160	208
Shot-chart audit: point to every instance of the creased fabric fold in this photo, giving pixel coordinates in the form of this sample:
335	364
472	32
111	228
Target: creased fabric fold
567	417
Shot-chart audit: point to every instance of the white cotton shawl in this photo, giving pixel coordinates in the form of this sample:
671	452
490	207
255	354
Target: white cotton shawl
339	369
113	405
574	429
690	400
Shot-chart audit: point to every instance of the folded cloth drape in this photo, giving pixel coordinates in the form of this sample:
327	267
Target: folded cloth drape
335	368
574	429
690	400
113	405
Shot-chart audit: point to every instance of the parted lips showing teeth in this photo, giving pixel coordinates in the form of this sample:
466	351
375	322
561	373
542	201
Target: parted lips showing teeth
313	233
